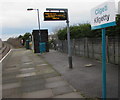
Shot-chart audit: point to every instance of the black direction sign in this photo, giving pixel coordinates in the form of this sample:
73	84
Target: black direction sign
55	16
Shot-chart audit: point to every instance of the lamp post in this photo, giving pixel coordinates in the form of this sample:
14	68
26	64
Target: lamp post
29	9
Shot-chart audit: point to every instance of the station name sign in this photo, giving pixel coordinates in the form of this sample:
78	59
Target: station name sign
55	16
103	15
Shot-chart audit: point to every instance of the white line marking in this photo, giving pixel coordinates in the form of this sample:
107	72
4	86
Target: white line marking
5	56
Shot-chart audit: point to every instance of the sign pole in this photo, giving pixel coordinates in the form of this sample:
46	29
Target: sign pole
69	43
101	19
63	17
104	64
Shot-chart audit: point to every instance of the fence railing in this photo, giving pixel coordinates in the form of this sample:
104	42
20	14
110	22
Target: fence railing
92	48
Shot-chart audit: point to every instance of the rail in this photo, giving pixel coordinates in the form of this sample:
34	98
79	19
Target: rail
4	50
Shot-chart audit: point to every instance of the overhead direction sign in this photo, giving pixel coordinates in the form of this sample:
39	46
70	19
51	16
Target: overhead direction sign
103	15
59	16
55	16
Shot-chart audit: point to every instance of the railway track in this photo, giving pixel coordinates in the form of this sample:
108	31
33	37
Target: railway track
4	50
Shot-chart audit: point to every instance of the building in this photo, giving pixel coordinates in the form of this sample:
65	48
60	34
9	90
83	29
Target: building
37	40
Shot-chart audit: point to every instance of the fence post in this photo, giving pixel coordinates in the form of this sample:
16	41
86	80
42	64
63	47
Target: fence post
87	47
107	49
84	46
74	47
118	40
62	45
93	48
79	47
114	48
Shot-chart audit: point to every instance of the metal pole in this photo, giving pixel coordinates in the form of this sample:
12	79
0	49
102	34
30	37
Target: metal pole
104	64
39	24
68	35
69	43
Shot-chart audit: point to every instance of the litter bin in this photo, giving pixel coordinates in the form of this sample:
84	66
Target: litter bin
27	44
42	47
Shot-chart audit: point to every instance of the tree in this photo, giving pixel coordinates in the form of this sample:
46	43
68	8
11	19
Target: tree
62	34
115	30
26	36
84	30
20	36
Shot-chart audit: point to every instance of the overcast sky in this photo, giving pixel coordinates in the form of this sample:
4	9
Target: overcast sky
16	20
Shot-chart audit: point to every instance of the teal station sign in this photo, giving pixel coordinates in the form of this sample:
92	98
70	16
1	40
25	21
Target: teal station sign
103	15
